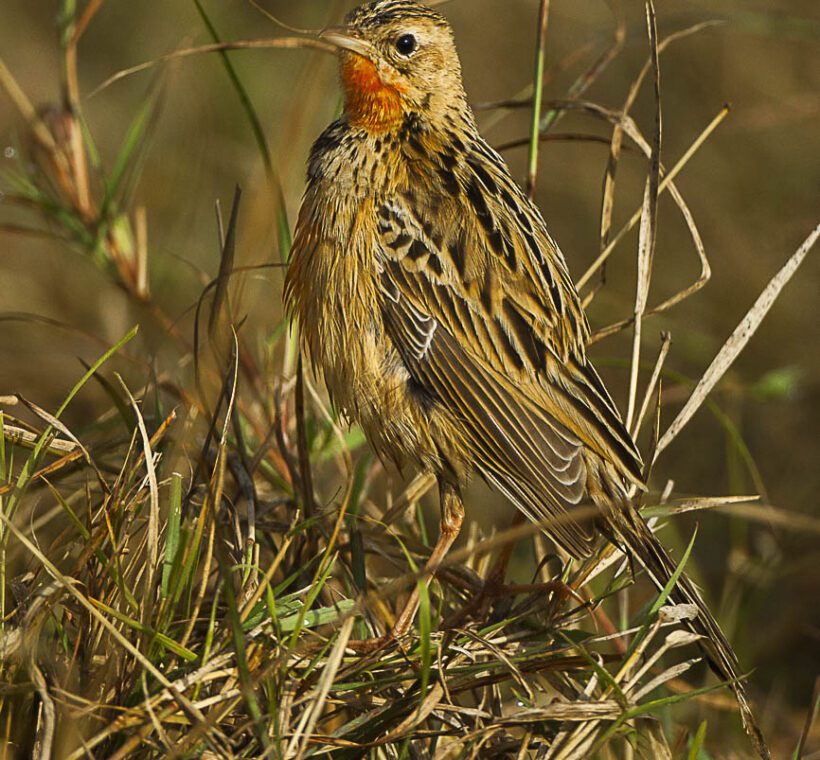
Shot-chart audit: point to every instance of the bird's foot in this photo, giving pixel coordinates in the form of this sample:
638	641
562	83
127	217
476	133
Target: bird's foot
494	589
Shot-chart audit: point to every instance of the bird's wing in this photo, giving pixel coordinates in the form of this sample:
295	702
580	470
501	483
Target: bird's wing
486	320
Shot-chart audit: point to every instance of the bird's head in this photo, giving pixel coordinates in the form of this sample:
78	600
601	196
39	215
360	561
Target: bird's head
397	58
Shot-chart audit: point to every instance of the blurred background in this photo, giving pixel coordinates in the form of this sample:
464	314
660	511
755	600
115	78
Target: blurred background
753	188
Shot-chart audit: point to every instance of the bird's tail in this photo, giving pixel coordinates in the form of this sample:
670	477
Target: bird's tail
634	535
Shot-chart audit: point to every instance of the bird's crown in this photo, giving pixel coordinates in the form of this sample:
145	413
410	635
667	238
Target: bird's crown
385	11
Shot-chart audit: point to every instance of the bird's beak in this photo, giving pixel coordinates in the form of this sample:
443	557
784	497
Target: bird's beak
342	39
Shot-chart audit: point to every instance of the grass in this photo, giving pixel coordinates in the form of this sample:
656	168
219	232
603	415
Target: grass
182	576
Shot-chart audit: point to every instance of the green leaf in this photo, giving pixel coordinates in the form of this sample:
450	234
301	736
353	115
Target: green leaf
172	532
130	145
697	742
425	644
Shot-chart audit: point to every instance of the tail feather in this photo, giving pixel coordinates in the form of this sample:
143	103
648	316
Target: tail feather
632	532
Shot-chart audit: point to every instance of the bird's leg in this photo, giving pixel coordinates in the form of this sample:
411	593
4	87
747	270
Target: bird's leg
452	515
493	585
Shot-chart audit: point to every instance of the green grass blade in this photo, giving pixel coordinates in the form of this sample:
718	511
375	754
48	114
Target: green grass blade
652	612
172	532
134	139
136	625
697	742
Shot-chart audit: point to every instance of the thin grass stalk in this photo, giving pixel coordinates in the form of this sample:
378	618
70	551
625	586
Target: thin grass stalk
153	512
649	222
538	95
666	342
311	717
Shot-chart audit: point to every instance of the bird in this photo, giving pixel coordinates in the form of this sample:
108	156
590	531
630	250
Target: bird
442	316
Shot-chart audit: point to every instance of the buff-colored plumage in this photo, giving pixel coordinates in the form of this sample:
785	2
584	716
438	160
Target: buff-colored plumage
441	313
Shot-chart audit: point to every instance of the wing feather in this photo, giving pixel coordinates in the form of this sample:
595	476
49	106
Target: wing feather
485	318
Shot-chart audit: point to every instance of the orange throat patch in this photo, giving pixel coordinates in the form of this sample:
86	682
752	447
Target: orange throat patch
370	103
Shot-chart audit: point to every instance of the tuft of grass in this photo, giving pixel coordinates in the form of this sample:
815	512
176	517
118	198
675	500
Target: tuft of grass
183	577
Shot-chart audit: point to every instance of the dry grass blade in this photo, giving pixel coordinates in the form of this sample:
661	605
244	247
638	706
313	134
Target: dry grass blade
616	144
666	342
153	511
311	717
679	506
21	437
675	639
518	677
645	246
305	467
737	341
417	717
568	711
649	221
667	182
608	194
48	715
416	489
53	422
676	671
555	137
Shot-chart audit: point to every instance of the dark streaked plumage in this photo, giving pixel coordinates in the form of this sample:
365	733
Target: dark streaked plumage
442	314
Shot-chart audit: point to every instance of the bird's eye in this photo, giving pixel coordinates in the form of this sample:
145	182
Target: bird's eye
406	44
